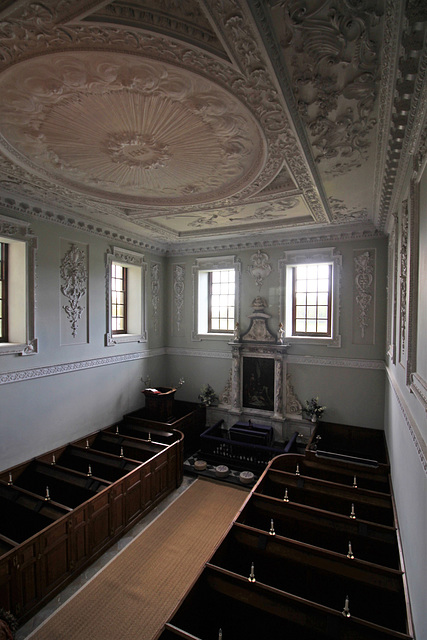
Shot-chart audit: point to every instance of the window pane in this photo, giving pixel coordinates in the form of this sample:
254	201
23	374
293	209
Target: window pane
221	300
118	298
323	285
300	326
312	271
311	326
323	271
311	285
312	299
322	326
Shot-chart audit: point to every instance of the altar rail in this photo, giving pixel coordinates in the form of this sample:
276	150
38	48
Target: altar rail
215	443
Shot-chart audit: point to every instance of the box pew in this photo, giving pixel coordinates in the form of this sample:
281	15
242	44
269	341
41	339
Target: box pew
369	478
370	542
102	465
44	544
333	489
276	484
221	599
66	487
134	429
124	446
27	513
375	594
187	417
337	441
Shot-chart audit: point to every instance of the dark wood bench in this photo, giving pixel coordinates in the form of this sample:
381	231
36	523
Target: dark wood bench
376	594
370	542
277	486
103	465
338	471
222	599
62	509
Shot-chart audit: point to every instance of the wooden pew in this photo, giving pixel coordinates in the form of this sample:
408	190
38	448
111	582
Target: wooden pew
103	465
124	446
335	441
370	542
376	594
369	478
342	500
222	599
61	485
44	544
286	569
27	513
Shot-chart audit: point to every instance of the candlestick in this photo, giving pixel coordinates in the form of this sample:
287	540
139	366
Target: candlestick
355	482
350	551
121	452
346	610
10	479
220	634
352	513
297	473
272	531
53	460
89	471
117	430
252	573
87	444
149	437
286	498
47	496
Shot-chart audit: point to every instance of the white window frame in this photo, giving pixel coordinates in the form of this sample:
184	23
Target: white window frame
291	259
200	271
21	300
136	306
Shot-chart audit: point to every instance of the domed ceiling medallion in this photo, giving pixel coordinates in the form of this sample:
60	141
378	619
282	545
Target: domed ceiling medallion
122	128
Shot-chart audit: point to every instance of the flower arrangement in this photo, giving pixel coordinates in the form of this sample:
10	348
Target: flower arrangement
313	409
207	395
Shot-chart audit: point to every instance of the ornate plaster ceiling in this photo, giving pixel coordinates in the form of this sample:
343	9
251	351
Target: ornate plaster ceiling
185	121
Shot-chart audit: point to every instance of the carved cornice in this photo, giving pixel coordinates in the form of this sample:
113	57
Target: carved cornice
409	108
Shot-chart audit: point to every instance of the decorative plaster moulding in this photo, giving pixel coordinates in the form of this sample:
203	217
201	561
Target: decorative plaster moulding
70	367
287	239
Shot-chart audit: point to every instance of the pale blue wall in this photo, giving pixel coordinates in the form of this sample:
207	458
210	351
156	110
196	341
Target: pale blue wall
66	391
349	380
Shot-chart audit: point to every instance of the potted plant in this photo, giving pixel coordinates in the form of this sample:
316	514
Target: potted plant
207	395
313	409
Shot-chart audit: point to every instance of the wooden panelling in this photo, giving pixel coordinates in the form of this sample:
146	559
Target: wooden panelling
62	510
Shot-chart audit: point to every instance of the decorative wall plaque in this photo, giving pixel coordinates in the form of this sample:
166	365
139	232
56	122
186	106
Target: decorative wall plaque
258	329
74	277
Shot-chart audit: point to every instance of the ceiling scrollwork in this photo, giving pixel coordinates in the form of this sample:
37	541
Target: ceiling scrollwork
193	119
